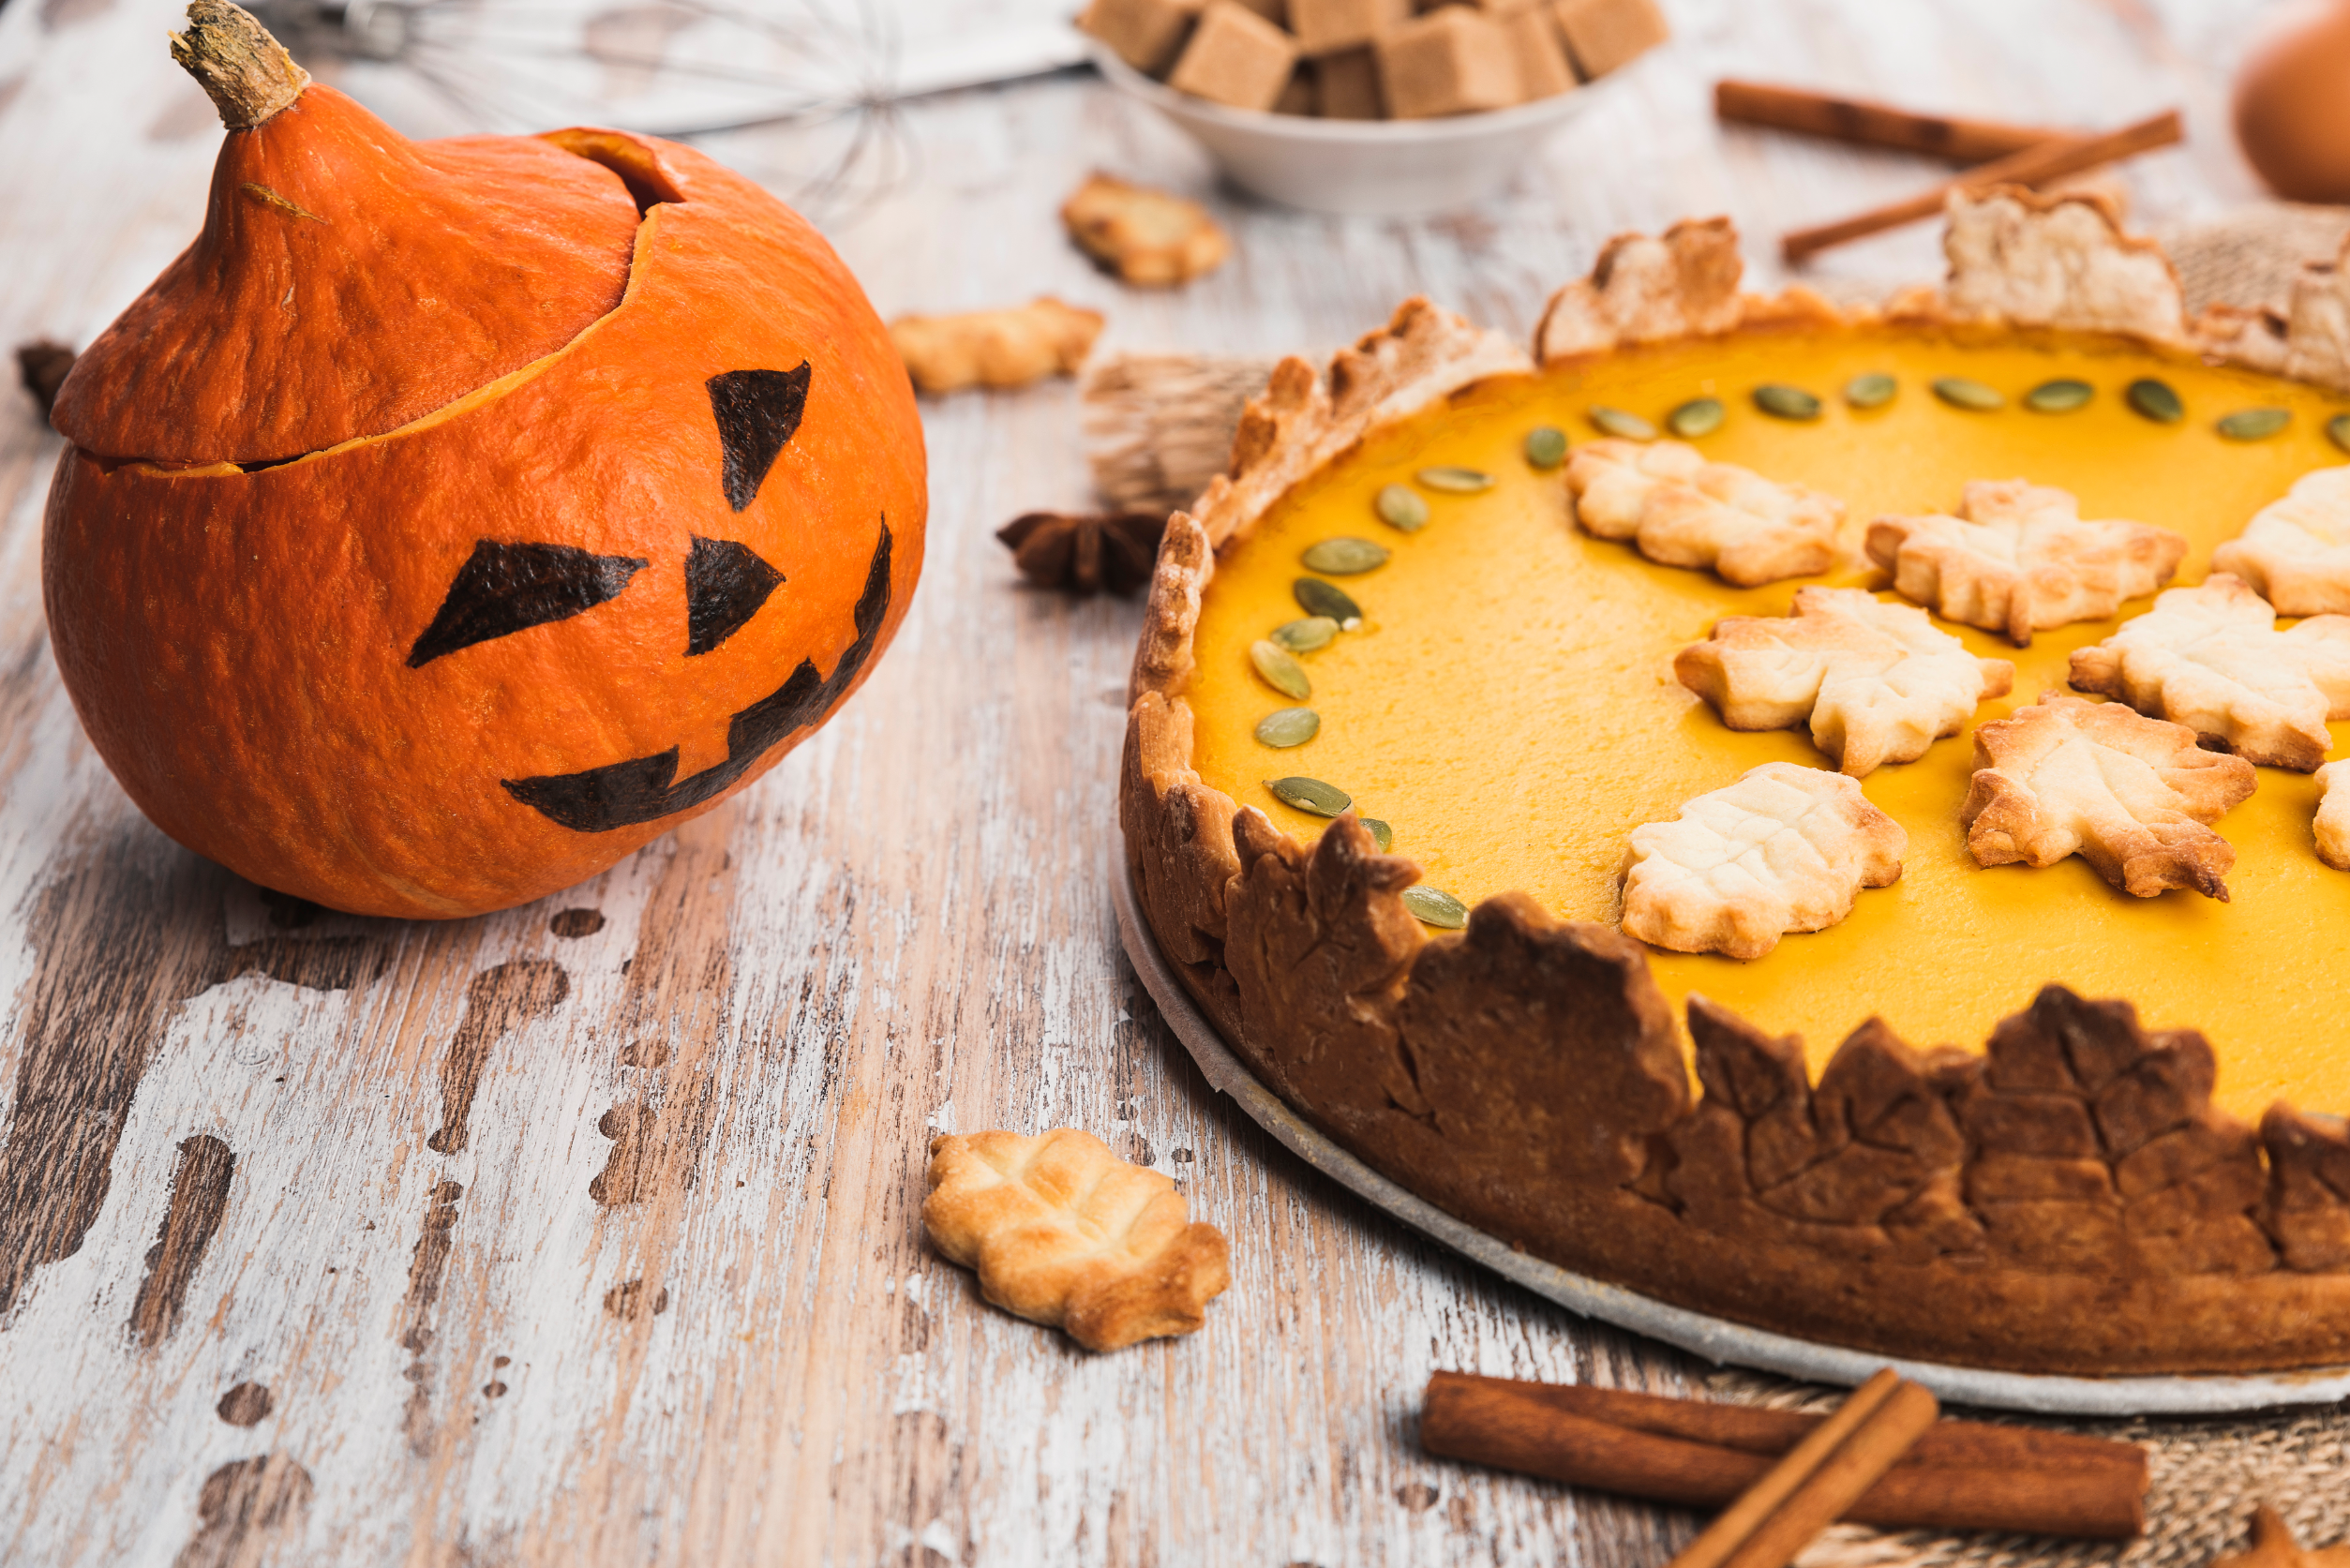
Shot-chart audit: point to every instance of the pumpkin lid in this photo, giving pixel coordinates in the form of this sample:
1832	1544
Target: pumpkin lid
347	280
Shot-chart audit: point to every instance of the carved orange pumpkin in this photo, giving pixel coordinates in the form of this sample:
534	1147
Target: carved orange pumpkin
453	517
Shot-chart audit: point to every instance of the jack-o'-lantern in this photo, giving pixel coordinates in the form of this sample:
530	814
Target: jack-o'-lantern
453	517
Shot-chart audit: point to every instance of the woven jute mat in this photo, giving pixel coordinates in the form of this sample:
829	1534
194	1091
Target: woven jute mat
2205	1477
2249	257
1160	427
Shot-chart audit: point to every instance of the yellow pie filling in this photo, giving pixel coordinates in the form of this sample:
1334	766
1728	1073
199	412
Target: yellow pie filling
1508	705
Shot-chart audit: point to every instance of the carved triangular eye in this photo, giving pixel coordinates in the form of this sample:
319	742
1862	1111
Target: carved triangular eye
725	583
505	588
758	411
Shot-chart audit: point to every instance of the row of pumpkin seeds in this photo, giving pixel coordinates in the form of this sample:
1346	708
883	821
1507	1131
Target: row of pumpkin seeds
1330	610
2154	399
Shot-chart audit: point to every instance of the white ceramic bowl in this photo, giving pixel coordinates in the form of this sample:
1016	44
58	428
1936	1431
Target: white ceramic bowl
1382	167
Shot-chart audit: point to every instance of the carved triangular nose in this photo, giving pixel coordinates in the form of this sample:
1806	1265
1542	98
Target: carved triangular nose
725	583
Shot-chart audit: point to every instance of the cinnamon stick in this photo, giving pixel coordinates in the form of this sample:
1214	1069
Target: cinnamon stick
1818	1479
1873	125
1960	1475
2050	160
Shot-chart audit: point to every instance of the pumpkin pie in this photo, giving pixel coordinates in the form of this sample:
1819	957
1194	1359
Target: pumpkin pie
2006	1113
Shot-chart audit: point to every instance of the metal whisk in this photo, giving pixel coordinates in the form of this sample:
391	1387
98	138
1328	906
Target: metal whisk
825	69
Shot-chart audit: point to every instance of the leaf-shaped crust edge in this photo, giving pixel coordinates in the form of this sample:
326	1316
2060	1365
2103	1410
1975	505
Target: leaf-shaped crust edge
2092	1214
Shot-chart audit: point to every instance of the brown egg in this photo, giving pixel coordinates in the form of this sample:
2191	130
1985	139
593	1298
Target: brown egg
2293	104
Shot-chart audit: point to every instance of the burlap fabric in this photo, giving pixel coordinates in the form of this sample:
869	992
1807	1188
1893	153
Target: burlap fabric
2207	1476
1158	429
2249	257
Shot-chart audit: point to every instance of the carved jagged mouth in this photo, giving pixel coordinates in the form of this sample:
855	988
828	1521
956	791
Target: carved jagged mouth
646	788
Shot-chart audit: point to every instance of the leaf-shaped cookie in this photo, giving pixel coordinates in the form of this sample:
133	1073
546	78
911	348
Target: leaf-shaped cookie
1682	511
1875	682
2332	826
1061	1230
2211	657
2134	797
1784	848
2017	558
2296	551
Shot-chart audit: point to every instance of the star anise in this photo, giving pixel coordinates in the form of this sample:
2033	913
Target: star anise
1084	553
43	367
2273	1547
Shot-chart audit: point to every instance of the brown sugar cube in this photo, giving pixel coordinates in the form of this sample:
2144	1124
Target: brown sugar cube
1602	34
1302	97
1325	26
1544	71
1235	57
1147	35
1347	83
1453	61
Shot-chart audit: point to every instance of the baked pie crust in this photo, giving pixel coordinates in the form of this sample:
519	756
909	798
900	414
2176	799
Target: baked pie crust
2067	1201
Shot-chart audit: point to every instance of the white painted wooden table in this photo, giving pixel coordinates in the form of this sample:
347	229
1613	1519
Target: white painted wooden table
587	1232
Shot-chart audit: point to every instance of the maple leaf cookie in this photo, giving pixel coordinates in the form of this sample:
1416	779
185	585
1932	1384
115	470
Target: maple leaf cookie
1680	510
1784	848
1148	237
2135	796
2296	551
996	348
1061	1230
2211	657
2332	826
2018	558
1875	682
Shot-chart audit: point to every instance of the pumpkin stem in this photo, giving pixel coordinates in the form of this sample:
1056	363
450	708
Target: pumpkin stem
247	73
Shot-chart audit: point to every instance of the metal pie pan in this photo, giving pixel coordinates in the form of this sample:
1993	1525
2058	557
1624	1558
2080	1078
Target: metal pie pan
1715	1340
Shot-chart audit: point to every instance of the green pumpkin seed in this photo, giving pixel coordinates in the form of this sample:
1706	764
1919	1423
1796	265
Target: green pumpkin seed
1454	480
1785	402
2254	425
2059	397
1283	673
1398	508
1311	795
1436	907
1872	389
1304	636
2338	430
1622	425
2156	400
1975	398
1318	598
1344	556
1546	446
1288	726
1381	834
1699	416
